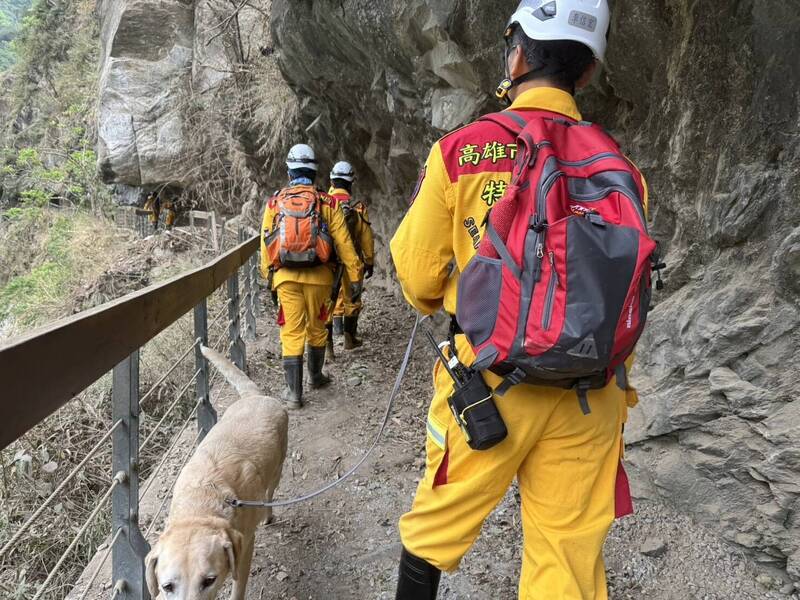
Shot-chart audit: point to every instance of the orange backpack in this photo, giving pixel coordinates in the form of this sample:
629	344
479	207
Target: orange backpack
299	236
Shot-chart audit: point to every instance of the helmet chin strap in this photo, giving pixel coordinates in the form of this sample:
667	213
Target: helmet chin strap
508	84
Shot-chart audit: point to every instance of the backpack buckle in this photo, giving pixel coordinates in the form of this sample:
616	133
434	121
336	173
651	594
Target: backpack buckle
658	266
582	388
516	377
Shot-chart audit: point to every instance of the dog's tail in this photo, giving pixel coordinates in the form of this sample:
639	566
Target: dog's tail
240	381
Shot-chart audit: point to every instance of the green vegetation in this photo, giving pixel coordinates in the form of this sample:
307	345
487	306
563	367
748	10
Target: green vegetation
71	180
12	13
25	298
47	135
46	256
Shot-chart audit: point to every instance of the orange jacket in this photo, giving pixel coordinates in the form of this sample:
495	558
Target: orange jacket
321	274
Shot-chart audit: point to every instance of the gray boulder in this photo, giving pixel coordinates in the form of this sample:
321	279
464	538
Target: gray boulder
147	66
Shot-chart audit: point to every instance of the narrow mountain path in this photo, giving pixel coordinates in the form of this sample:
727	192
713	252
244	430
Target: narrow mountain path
344	545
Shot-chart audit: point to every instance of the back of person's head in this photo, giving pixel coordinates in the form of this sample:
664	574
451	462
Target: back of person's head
302	173
342	184
561	62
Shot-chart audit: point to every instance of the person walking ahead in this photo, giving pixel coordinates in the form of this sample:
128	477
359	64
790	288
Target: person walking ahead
357	218
567	464
303	233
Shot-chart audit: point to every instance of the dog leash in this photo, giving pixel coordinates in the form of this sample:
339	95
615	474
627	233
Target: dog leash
236	503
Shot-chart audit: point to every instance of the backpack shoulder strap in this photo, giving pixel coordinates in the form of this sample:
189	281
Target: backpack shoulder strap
327	199
512	121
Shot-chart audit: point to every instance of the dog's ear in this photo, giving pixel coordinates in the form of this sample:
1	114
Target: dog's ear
150	562
233	547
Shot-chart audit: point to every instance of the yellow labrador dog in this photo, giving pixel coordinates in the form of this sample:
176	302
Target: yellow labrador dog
206	539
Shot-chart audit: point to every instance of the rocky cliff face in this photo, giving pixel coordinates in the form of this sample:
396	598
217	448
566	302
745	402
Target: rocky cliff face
180	97
706	101
148	50
703	96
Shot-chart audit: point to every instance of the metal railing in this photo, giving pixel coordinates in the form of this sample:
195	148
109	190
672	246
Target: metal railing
136	219
116	332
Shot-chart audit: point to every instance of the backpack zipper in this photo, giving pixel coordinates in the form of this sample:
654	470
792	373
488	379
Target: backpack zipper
547	314
637	205
541	222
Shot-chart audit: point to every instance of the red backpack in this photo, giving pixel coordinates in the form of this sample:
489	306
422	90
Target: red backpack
559	290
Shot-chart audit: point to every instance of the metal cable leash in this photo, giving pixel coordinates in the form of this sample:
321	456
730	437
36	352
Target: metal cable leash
236	503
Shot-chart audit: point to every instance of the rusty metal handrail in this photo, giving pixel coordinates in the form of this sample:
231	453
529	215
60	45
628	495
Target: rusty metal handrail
77	351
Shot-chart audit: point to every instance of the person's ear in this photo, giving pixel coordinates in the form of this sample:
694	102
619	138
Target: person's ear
517	63
587	76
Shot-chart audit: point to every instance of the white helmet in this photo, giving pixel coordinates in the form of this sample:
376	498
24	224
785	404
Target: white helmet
584	21
301	156
343	170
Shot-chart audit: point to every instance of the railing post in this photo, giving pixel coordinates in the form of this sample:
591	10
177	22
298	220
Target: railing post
129	552
206	415
252	308
234	326
249	291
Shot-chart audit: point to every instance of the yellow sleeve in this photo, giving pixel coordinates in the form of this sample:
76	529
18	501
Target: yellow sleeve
266	228
344	243
422	247
367	240
646	199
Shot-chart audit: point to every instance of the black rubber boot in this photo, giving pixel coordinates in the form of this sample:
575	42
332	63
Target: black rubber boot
293	394
338	326
330	352
417	580
316	360
351	341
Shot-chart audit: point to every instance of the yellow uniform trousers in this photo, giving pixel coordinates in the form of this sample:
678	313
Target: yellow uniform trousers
566	465
171	214
153	207
345	307
302	316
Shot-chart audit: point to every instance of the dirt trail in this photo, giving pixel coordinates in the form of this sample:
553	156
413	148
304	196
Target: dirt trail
345	544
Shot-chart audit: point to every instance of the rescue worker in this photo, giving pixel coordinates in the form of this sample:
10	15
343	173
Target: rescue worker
152	206
304	292
357	219
169	206
566	464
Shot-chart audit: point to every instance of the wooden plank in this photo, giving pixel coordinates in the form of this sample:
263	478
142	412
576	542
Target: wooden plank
200	214
42	371
213	224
